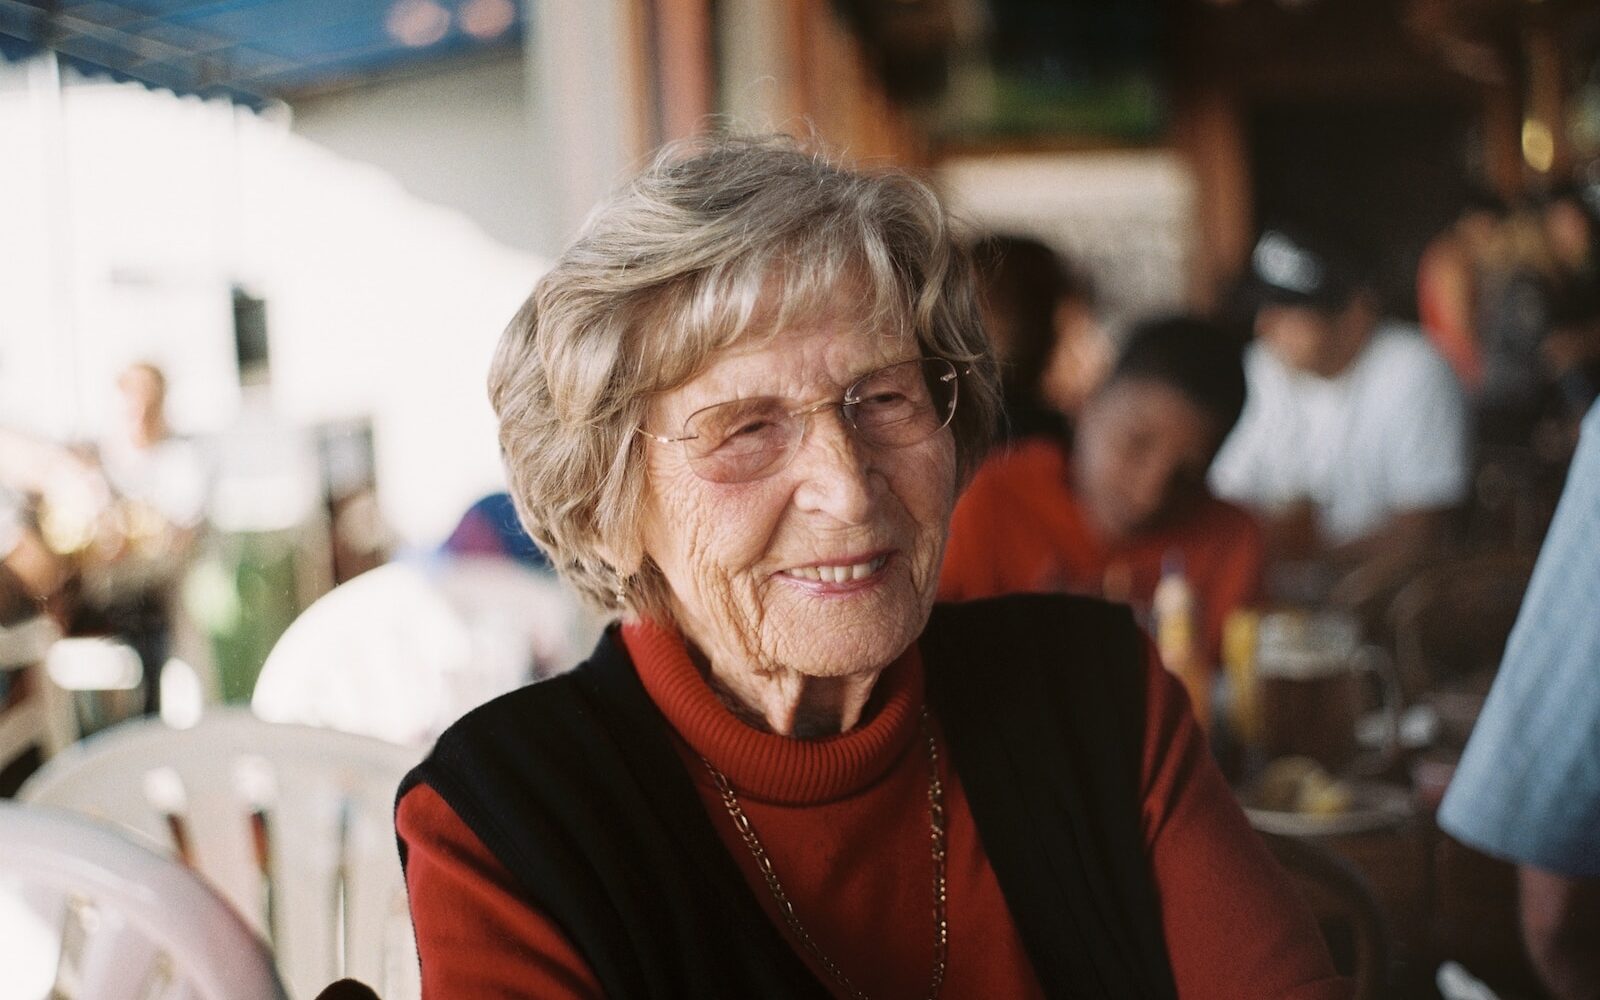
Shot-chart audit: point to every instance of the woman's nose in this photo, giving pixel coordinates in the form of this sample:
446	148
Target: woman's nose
834	469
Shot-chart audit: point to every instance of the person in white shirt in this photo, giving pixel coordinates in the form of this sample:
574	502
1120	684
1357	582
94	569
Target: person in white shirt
1353	446
160	485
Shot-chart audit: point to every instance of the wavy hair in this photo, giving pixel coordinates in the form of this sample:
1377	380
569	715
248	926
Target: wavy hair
719	240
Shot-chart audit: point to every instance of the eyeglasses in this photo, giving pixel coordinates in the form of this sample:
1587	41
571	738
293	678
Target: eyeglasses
747	439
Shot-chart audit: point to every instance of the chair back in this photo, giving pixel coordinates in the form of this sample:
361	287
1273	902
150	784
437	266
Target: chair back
89	913
403	650
1351	919
291	824
35	714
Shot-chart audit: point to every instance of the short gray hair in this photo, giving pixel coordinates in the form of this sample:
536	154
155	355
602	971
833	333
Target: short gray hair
719	239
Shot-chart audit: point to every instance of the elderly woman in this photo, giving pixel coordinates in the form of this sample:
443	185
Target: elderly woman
740	409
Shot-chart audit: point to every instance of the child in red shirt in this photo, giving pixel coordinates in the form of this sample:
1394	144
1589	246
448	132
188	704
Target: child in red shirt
1101	518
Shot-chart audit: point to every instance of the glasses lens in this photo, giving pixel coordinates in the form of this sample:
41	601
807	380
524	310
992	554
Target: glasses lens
905	403
740	440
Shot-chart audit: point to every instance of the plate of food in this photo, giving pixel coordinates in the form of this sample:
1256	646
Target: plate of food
1296	797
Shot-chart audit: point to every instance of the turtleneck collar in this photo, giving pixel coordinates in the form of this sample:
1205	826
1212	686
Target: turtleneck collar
765	766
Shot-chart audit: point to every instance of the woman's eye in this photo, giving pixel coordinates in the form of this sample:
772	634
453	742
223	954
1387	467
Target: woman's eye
884	399
755	433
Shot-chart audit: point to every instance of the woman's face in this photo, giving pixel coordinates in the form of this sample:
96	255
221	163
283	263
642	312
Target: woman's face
827	567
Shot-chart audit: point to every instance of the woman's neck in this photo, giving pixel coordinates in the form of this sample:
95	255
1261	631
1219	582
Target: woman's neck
789	703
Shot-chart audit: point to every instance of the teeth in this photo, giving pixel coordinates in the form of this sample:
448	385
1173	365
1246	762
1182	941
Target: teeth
838	574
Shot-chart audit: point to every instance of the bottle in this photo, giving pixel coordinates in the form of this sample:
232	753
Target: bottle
1173	607
1239	633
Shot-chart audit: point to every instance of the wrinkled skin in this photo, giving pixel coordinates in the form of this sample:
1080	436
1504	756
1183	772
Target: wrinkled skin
796	656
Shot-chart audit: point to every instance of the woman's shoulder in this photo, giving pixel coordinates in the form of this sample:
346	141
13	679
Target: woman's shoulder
1069	650
550	697
1030	612
546	719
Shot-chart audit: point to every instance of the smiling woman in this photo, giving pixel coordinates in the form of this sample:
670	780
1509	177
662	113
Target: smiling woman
740	408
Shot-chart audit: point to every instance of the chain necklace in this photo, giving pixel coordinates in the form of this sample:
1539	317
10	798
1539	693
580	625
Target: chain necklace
941	929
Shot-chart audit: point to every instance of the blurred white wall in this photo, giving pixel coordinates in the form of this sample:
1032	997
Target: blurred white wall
1127	218
457	135
381	305
134	214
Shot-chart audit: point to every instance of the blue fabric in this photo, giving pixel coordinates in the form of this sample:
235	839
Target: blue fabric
1528	786
245	50
491	527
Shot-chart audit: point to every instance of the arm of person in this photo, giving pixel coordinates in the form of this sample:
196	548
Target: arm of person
34	466
477	935
1526	789
40	571
1561	923
1377	565
1234	924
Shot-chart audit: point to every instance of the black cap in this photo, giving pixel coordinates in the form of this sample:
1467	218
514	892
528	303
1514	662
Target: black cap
1289	269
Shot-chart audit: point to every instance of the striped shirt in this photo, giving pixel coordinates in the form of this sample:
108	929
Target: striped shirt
1528	786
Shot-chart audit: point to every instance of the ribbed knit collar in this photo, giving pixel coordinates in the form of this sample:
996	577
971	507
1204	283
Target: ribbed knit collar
765	766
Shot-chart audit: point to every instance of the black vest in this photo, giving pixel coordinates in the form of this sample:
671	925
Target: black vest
574	786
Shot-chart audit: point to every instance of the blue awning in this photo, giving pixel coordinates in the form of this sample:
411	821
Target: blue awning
253	51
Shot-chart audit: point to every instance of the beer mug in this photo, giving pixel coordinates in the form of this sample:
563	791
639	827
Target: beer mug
1313	674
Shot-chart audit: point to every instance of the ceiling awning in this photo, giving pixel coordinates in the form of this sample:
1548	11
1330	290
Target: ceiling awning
254	51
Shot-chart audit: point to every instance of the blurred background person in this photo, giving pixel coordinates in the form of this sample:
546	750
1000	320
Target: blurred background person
1081	355
148	466
1040	315
1521	287
36	580
1528	785
1571	348
1573	234
1354	445
1451	280
1130	495
1571	351
53	506
32	573
29	571
158	482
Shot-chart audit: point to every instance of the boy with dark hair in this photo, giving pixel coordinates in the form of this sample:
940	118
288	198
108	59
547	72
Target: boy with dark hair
1103	518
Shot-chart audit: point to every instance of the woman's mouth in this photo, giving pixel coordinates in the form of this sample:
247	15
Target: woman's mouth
840	573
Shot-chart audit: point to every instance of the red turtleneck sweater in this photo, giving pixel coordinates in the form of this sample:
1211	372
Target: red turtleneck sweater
845	822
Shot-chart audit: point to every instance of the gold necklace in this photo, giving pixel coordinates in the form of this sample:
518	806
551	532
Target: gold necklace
941	929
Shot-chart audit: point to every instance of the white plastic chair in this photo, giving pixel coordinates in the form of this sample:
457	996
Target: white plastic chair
403	650
45	717
86	912
291	824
